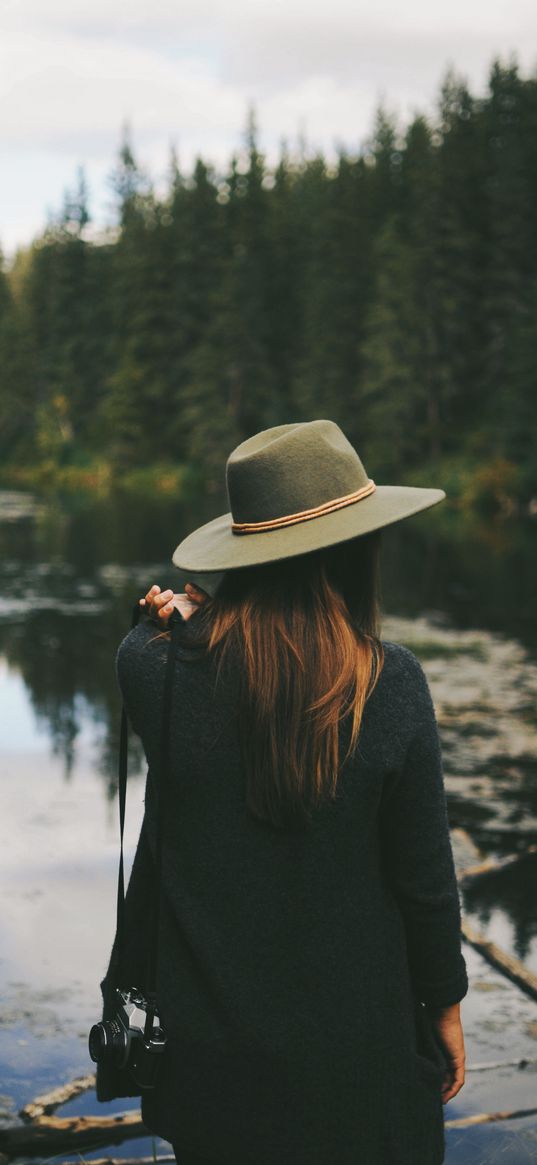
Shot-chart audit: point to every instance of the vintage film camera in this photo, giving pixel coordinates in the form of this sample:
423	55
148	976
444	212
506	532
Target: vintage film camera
125	1042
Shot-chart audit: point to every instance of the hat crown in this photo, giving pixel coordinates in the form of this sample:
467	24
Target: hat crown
290	468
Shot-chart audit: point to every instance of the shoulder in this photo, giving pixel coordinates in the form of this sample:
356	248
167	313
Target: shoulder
143	642
403	678
401	660
140	655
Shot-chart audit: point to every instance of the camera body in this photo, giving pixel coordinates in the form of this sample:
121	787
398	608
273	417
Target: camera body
123	1043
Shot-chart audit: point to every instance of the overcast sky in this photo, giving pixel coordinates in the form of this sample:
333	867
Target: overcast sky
72	74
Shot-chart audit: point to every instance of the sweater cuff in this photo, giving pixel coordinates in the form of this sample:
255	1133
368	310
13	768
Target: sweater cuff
443	993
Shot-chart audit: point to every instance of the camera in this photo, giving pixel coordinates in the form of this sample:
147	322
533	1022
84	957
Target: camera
123	1042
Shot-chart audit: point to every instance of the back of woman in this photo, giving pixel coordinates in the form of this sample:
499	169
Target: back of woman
310	926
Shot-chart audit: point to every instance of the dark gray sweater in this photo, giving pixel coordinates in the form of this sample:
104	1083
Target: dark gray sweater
294	966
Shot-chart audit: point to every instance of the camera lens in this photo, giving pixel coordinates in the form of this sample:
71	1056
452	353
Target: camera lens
107	1043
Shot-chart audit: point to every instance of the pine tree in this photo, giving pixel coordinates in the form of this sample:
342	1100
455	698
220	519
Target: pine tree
508	373
194	246
17	407
133	415
231	390
65	322
283	279
396	354
460	258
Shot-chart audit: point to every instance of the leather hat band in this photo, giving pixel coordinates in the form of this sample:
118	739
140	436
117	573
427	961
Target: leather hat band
304	515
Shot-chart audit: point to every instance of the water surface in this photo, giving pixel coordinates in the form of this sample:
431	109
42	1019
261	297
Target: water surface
462	596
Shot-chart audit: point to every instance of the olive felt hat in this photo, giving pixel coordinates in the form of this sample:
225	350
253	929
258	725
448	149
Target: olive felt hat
293	489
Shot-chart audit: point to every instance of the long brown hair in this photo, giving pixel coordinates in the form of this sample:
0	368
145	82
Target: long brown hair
304	631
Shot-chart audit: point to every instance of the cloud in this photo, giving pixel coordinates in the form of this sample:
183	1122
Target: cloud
57	91
71	74
63	86
132	18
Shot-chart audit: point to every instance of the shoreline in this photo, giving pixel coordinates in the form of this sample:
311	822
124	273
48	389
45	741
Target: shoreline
474	492
100	479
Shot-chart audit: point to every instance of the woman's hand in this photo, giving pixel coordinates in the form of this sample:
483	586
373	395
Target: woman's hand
448	1028
160	604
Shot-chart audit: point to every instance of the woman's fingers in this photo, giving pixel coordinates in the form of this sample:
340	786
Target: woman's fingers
448	1027
184	605
150	595
162	605
159	604
454	1081
195	593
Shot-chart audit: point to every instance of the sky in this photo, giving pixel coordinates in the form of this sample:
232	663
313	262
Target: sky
184	73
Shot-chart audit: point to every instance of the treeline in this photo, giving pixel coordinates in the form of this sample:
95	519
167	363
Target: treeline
394	291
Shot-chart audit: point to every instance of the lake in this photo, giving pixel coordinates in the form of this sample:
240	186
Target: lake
460	593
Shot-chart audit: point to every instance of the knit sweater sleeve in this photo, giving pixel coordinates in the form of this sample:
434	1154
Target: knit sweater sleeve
140	663
419	857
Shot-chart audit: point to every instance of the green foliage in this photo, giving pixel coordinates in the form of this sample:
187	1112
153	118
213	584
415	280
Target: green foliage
394	291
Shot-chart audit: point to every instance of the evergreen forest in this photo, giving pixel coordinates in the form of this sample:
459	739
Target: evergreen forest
393	290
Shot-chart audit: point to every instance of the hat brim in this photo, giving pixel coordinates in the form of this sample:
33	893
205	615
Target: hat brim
214	546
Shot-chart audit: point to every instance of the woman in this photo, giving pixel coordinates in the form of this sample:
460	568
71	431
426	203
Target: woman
310	968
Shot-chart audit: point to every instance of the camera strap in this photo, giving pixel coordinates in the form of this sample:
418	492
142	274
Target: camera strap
174	623
122	796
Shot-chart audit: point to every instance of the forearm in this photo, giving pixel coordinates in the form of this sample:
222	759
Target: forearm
419	864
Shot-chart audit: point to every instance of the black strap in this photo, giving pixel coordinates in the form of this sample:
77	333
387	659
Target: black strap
163	795
122	789
174	622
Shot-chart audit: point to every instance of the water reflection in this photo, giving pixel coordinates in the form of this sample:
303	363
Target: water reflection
509	896
69	574
66	662
482	574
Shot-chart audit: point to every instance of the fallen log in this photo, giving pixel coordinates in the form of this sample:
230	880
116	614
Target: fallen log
491	866
46	1104
49	1135
512	968
493	1064
465	851
482	1118
161	1158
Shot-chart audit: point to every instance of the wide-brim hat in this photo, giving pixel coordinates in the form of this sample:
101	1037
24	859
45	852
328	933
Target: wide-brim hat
293	489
